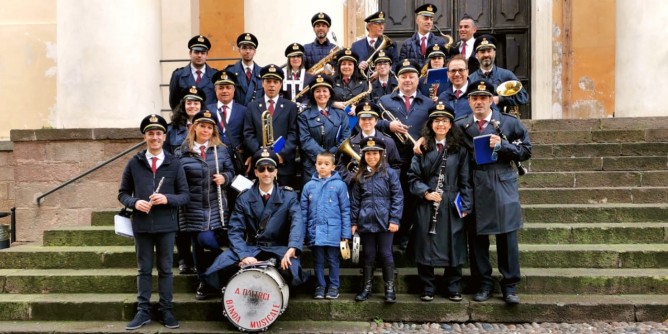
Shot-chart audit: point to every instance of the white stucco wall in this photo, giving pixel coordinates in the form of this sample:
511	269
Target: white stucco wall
641	68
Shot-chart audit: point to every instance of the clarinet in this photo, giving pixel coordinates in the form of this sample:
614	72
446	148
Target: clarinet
439	190
521	170
219	191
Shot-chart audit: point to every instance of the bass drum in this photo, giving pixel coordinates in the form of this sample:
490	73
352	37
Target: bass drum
255	297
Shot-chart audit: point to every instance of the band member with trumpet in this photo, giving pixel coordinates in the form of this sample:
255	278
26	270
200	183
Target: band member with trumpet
436	56
376	205
404	114
322	128
266	224
364	48
296	77
436	178
497	208
284	124
154	222
349	82
386	80
454	93
349	159
415	48
209	170
249	82
321	46
198	73
485	49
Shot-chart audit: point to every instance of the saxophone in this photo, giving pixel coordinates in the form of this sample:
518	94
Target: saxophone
357	98
320	66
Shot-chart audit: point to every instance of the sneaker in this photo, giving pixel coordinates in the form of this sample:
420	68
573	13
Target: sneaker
455	297
427	297
319	292
169	320
141	318
332	293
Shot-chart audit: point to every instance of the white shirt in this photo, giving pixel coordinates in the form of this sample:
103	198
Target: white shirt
267	98
469	47
228	111
262	193
196	146
368	41
193	70
373	134
426	36
463	89
161	158
487	119
404	99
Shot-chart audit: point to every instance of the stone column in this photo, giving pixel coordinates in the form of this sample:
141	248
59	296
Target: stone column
108	62
541	62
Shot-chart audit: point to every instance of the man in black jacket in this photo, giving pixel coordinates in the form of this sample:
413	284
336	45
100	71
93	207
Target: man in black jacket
154	185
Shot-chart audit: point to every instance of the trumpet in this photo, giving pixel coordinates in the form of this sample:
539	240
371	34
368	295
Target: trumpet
510	88
267	130
348	150
388	116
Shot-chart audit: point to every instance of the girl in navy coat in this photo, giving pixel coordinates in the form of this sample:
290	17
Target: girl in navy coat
376	208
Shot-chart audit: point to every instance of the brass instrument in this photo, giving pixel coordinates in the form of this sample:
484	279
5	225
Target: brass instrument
510	88
357	98
348	150
388	116
267	130
301	92
321	65
386	42
448	45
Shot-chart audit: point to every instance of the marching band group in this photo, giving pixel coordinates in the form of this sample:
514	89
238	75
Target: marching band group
376	147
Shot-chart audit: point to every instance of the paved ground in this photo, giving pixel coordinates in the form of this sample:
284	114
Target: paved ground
594	327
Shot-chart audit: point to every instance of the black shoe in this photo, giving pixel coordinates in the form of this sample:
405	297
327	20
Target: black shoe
204	291
482	295
427	297
184	269
455	297
511	299
169	320
141	318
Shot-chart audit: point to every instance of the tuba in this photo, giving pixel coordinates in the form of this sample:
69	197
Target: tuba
267	130
348	150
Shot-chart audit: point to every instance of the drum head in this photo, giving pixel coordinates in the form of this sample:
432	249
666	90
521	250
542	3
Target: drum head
253	299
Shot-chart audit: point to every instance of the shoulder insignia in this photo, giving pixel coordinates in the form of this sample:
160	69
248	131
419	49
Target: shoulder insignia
287	188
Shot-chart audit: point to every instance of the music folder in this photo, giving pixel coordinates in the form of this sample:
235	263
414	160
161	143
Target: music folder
437	75
458	204
278	144
241	183
483	153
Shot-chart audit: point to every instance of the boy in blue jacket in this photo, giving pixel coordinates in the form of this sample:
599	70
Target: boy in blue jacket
326	210
154	218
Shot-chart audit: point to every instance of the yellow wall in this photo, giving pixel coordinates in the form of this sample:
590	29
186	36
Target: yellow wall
222	22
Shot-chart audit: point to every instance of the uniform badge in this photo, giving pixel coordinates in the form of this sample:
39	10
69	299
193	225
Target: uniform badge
200	39
321	15
366	106
265	153
272	69
436	47
406	62
319	79
430	8
370	143
481	86
207	114
193	90
153	118
247	37
440	106
484	41
295	46
381	15
348	52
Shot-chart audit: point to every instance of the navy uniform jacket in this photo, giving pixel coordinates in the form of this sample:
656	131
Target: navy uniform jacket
314	52
496	77
461	105
411	48
423	87
496	193
343	93
391	155
364	51
182	77
232	133
284	123
245	91
379	91
284	229
416	118
318	134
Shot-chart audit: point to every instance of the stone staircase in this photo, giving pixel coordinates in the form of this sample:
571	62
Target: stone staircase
594	248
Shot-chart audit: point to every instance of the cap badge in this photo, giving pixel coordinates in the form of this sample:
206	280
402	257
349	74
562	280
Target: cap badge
200	39
295	46
430	8
440	106
348	52
319	79
381	15
223	76
370	143
366	107
272	69
381	53
153	118
484	41
406	62
264	153
248	38
321	15
481	86
207	114
193	90
436	47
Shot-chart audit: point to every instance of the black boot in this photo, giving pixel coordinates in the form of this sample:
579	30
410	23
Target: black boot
366	289
388	277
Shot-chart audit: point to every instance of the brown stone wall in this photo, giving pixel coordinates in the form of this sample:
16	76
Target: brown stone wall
6	178
46	158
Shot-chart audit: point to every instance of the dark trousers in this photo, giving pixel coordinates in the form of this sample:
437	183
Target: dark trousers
508	261
183	249
452	275
201	259
410	202
163	244
331	255
377	244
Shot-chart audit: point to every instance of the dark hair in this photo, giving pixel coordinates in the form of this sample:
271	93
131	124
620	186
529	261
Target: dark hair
311	96
357	74
326	154
179	115
363	172
469	17
452	138
457	57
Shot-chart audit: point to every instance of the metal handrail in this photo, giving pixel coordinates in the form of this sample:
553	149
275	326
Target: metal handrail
134	147
208	59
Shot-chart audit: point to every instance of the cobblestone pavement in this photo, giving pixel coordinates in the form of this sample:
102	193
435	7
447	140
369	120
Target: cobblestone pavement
482	327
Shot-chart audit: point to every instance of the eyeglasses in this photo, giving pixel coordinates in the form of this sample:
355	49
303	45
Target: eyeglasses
458	70
263	168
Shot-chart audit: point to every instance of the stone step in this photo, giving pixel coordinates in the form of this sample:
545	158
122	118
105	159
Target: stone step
585	179
551	150
628	195
534	281
531	255
591	213
598	136
639	163
593	124
409	308
532	233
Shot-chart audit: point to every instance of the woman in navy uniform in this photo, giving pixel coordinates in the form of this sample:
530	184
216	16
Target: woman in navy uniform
296	77
387	80
436	56
348	81
444	157
266	224
321	127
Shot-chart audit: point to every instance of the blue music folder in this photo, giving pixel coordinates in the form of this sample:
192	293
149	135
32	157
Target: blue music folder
439	75
458	204
278	144
483	153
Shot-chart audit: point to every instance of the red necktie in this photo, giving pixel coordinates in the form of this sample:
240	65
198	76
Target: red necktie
295	76
248	74
223	117
481	124
423	46
346	81
458	93
384	84
154	164
202	151
407	101
440	147
372	43
271	107
265	198
199	77
464	49
324	112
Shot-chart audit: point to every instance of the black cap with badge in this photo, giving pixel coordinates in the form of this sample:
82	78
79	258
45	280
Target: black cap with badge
153	122
321	17
199	43
480	87
265	156
247	39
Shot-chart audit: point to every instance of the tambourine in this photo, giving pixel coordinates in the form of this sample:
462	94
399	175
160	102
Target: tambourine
345	250
356	248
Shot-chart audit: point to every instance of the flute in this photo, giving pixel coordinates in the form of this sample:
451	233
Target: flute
156	190
219	191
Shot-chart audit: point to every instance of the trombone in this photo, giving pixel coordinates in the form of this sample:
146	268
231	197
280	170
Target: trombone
388	116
